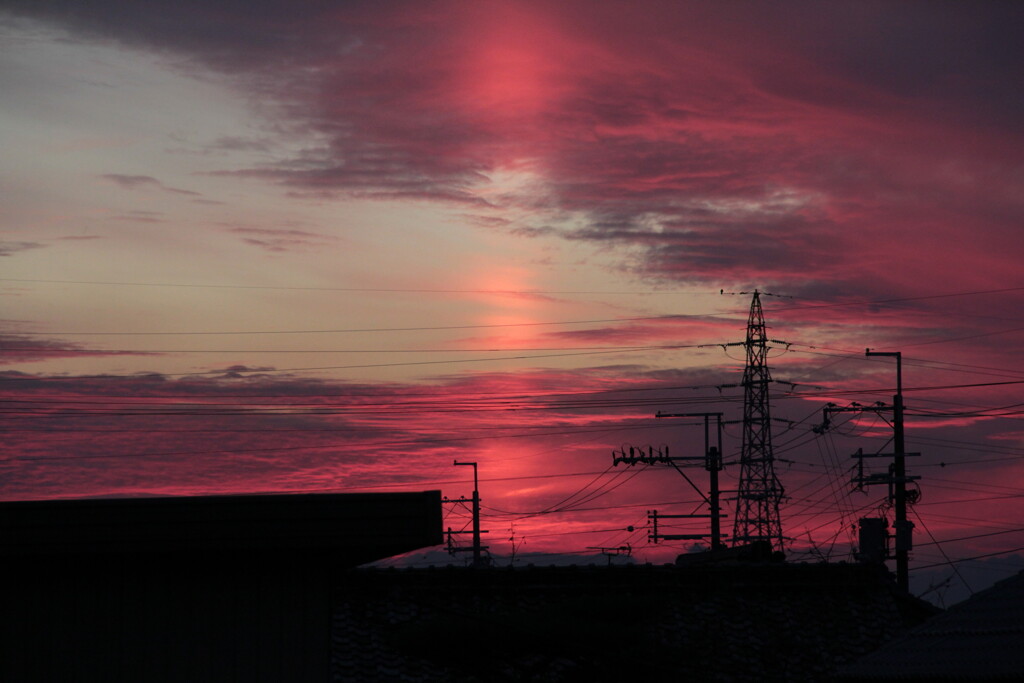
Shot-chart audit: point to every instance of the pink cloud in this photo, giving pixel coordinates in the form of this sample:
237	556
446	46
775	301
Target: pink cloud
22	348
826	147
837	152
539	438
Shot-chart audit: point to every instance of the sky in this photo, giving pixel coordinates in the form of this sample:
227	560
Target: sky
308	246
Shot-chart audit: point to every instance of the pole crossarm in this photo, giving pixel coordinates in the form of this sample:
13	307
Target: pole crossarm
632	455
655	535
712	460
854	407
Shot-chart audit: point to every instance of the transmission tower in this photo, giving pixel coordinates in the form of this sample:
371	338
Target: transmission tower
757	503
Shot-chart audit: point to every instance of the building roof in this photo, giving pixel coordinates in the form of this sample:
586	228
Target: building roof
980	639
223	588
355	528
759	622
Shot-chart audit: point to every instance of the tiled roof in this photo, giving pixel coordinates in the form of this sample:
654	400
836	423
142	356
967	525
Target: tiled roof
761	622
981	639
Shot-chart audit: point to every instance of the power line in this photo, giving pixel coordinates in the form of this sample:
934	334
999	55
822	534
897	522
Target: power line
495	291
956	570
405	442
385	290
965	338
972	500
846	354
901	300
968	559
961	482
633	347
963	520
972	537
536	513
664	317
573	533
420	483
787	394
390	393
67	410
340	367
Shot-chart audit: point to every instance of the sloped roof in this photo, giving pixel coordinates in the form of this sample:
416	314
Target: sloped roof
761	622
980	639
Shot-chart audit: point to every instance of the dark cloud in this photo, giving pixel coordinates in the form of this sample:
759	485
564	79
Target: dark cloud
830	150
11	247
281	239
722	142
239	371
236	143
138	216
23	348
97	435
132	182
684	330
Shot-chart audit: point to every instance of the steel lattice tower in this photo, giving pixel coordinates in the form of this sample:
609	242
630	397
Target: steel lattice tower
757	505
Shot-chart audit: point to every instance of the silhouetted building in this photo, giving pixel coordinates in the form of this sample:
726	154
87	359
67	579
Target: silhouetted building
980	639
741	621
228	588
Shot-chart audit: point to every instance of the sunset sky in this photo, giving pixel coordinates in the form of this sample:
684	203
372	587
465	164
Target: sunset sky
299	246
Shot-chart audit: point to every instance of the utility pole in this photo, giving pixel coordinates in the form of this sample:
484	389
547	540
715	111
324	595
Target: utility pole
712	460
904	527
757	503
873	529
613	551
477	548
713	464
874	535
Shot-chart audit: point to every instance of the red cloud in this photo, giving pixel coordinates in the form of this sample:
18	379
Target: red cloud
808	147
837	152
543	441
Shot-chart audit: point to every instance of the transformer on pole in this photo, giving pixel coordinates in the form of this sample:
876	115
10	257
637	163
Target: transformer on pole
757	504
